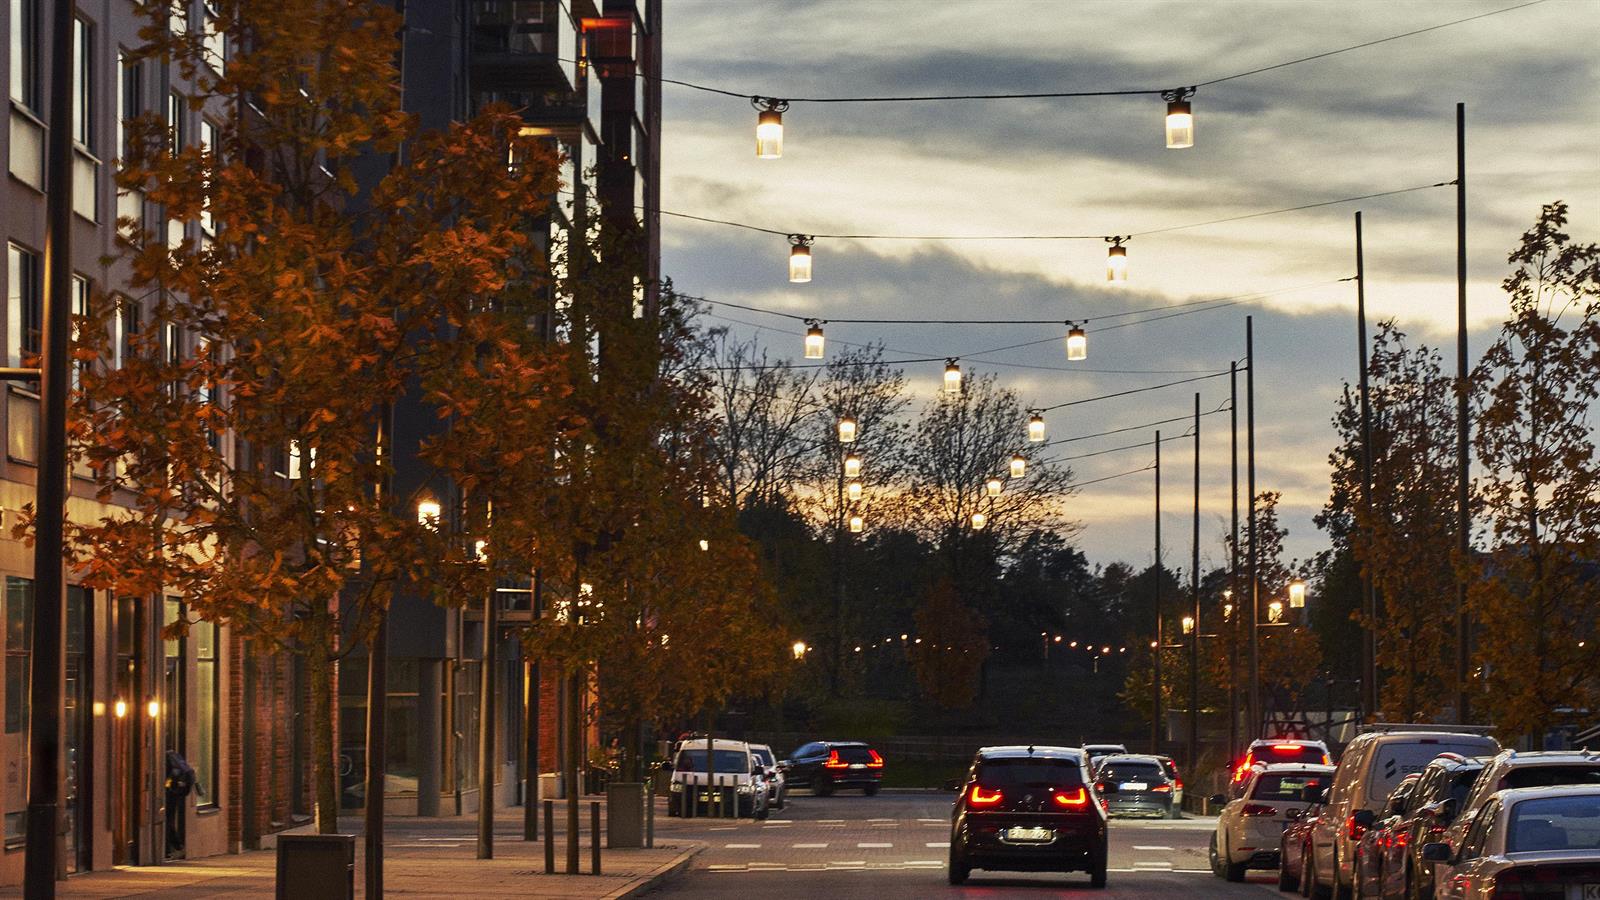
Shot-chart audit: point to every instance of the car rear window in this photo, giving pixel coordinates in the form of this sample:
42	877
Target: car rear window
727	761
1461	786
1394	760
1133	771
1545	776
1554	823
854	754
1042	773
1286	787
1290	753
762	756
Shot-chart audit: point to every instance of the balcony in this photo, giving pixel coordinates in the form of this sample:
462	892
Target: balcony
523	46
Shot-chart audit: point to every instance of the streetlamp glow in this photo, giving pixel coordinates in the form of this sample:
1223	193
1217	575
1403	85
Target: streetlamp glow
1188	624
847	430
852	466
1117	261
992	487
952	377
1180	118
1019	465
1275	611
769	127
1297	594
979	520
120	708
1078	341
428	513
800	258
705	544
857	524
152	708
1036	428
853	491
814	339
799	649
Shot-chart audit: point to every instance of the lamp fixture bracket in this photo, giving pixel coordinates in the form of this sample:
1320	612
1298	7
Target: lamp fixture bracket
1179	93
773	104
1117	240
801	240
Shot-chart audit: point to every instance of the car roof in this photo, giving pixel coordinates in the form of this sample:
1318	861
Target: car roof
1131	757
1514	795
716	744
1035	751
843	743
1416	737
1119	747
1268	742
1518	760
1316	768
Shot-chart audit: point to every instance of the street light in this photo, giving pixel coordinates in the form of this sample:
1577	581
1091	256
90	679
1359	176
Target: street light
1180	118
705	544
152	708
799	649
814	339
852	466
978	521
1036	428
857	524
1019	465
1188	624
1297	594
992	487
847	430
120	708
952	377
853	490
1077	340
1275	611
800	258
428	513
769	126
1117	261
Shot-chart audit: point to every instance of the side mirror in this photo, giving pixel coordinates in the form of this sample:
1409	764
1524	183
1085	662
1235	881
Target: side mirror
1436	852
1219	800
1363	818
952	786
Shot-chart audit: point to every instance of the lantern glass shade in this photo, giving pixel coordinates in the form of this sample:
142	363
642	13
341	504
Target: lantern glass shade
1227	610
705	544
1077	344
428	512
1019	466
799	264
847	430
992	487
1180	124
120	709
769	134
1117	264
814	342
952	378
1274	611
978	521
857	524
853	491
153	709
1188	624
1297	594
852	466
1036	428
799	649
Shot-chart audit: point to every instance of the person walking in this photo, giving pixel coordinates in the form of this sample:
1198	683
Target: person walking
180	781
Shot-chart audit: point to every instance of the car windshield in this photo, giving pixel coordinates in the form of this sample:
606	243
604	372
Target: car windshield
1286	787
1126	771
733	762
1035	773
1554	823
1547	776
762	756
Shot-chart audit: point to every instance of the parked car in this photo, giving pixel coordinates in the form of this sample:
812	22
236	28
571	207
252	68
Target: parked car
1370	850
1512	769
1295	842
1028	809
733	770
1096	752
1267	751
826	766
1134	785
777	782
1531	843
1369	770
1249	828
1171	767
1441	789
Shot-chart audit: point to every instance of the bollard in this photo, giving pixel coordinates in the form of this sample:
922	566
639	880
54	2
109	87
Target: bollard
686	801
549	837
650	815
594	837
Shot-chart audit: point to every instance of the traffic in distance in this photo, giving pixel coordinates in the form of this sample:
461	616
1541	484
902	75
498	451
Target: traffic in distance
1406	812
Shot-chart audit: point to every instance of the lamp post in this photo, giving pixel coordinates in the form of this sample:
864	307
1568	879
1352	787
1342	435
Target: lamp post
1155	713
1369	600
1253	594
1194	618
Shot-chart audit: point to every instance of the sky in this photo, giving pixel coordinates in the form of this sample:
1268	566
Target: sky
1372	120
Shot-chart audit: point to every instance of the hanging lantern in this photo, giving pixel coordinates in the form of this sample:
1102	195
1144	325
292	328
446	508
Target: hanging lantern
1116	261
952	377
847	430
1077	343
1227	610
799	258
769	126
814	340
857	524
992	487
1188	624
853	491
1019	465
152	708
705	544
978	521
799	649
1274	611
1297	594
1036	428
1180	118
852	466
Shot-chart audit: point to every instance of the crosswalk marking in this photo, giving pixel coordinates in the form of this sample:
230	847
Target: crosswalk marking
1149	847
742	846
871	846
939	845
822	846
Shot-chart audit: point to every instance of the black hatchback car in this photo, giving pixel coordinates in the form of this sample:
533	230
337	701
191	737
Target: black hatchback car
1028	809
825	766
1131	785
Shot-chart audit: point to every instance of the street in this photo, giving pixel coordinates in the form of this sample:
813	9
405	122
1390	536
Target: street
895	845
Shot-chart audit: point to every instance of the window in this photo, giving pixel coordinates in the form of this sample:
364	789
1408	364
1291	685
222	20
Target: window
130	96
19	635
178	21
124	327
80	311
177	108
216	41
25	52
22	303
208	144
204	636
172	348
83	84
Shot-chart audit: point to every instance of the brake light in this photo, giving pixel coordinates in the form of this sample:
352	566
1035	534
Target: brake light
1178	784
1258	809
1162	789
877	761
834	762
1075	800
1326	761
980	797
1286	748
1353	830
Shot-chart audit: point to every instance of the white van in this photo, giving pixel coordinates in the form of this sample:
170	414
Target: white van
1372	765
734	775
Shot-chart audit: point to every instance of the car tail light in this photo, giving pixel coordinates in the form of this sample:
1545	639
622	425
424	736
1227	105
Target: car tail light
1178	784
1286	748
1100	787
981	797
1076	799
834	762
1352	829
1162	789
877	761
1258	809
1326	760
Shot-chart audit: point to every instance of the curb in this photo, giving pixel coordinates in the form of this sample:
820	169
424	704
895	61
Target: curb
640	887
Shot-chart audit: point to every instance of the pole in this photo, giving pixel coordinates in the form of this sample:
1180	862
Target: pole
1369	600
491	627
1155	714
1253	720
1233	572
1463	456
530	778
1194	589
594	837
574	753
377	695
47	646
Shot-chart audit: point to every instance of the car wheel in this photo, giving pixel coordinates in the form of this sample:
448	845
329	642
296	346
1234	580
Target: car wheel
959	870
1314	887
1213	858
822	786
783	797
1288	882
1097	870
1336	890
871	790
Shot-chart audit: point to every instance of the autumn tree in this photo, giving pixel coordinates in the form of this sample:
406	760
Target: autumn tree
764	412
237	424
1536	593
952	647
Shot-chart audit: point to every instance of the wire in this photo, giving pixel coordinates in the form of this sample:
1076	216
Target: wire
1273	212
1079	484
1084	437
1153	387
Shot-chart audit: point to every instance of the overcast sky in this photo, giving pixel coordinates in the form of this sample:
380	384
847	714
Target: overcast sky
1375	119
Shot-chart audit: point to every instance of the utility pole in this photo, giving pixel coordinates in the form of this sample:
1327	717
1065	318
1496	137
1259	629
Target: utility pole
377	689
1463	455
1194	589
48	642
1253	722
1369	600
1233	569
1157	644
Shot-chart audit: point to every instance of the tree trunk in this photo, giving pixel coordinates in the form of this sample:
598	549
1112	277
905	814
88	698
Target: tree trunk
319	668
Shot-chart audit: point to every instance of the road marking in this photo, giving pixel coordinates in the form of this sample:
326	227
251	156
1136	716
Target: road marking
871	846
830	821
925	863
934	821
1153	866
741	846
1150	847
727	868
885	824
768	867
780	821
880	820
822	846
939	845
848	864
831	824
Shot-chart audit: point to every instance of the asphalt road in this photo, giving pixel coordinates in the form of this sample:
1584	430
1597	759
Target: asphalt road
895	845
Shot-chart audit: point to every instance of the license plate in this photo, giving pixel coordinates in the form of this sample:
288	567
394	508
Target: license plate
1591	892
1024	833
858	765
1133	786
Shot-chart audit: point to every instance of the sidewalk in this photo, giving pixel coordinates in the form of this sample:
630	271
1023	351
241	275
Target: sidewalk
423	858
